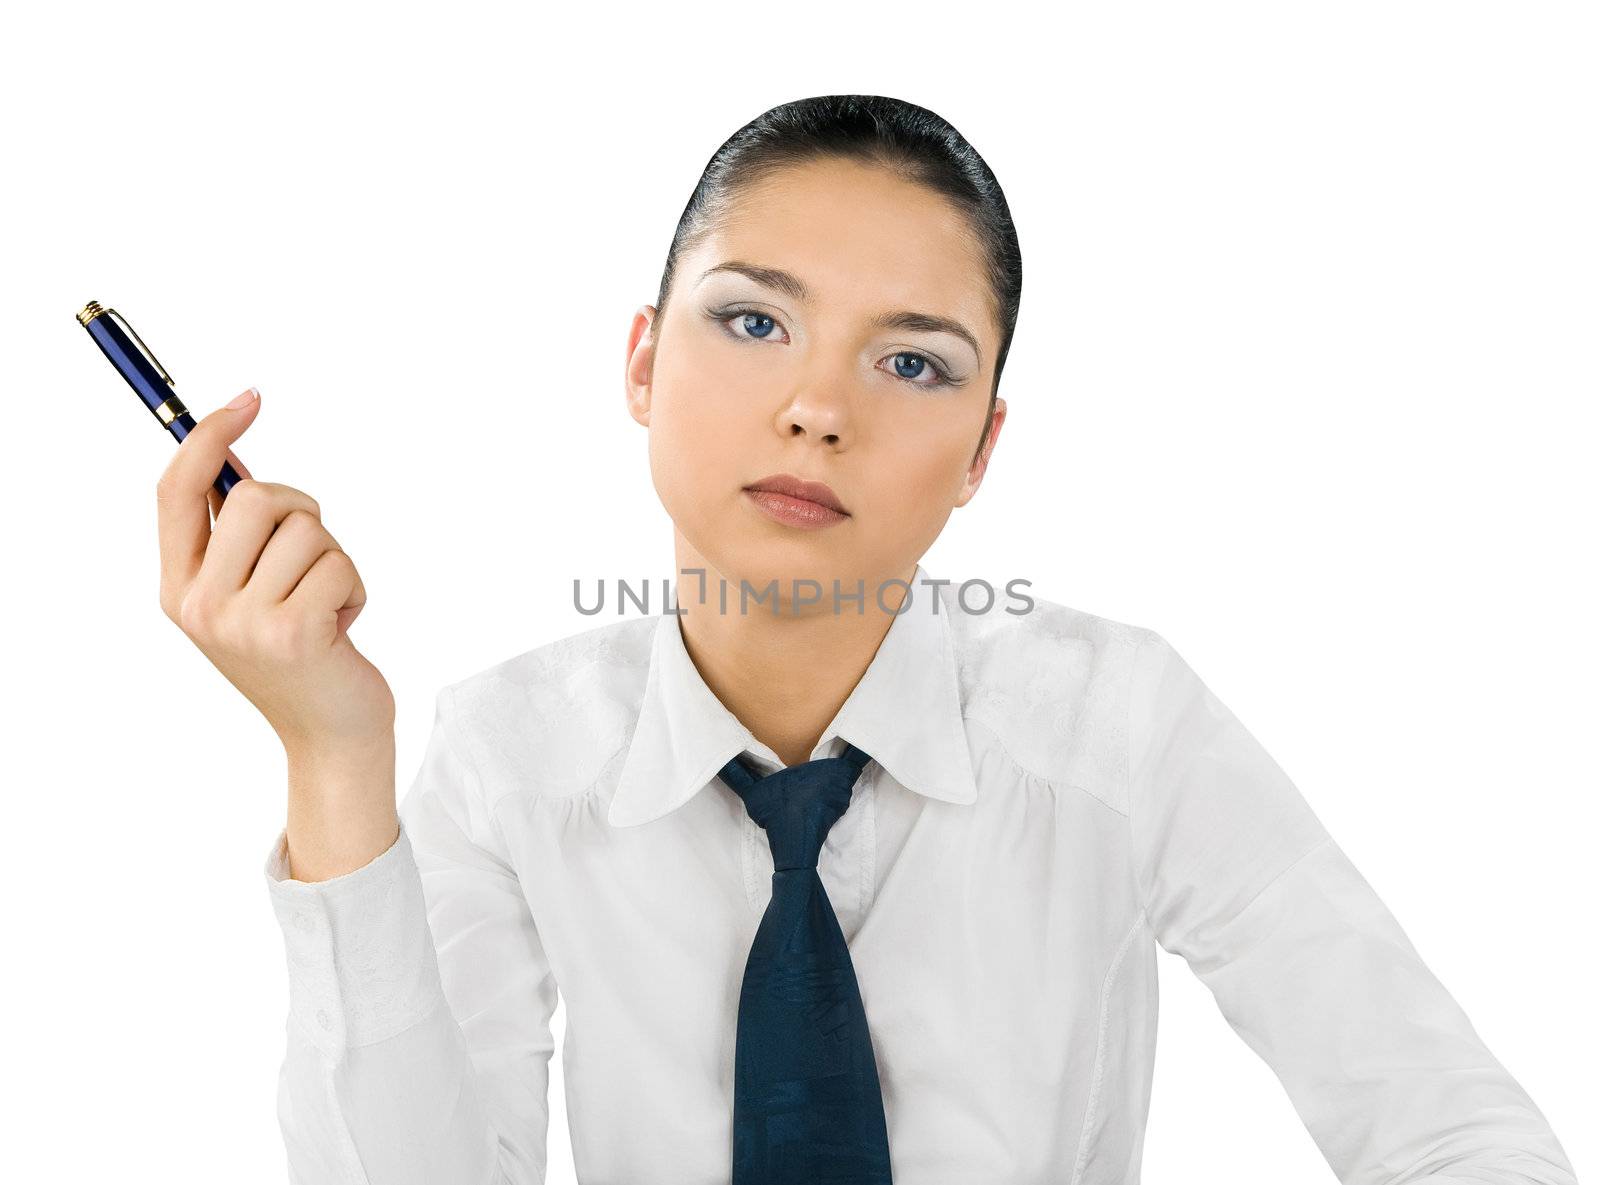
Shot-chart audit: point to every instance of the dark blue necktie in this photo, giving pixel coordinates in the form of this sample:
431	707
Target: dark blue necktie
807	1106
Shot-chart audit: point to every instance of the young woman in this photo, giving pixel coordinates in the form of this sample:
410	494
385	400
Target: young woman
854	882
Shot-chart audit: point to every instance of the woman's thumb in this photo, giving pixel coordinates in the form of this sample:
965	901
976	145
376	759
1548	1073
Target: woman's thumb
212	435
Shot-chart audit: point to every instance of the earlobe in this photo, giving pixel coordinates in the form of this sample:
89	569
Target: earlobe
975	473
638	398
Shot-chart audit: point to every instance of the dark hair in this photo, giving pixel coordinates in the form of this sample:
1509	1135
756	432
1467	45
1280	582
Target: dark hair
911	141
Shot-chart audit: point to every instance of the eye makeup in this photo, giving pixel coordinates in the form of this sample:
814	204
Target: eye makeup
945	376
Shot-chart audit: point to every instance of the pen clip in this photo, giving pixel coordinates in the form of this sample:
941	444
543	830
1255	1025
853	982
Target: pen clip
143	349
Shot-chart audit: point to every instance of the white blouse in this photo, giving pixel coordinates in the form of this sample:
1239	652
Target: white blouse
1052	794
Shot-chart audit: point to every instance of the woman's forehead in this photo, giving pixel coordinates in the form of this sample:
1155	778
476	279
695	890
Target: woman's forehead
841	197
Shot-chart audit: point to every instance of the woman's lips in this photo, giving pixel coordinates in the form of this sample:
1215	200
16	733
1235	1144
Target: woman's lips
790	500
794	512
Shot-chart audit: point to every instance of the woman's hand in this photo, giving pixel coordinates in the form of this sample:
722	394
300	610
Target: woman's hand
268	595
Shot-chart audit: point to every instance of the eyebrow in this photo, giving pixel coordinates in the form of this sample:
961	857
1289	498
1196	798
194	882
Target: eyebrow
794	287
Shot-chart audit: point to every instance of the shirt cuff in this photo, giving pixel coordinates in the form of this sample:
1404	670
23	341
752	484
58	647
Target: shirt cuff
362	965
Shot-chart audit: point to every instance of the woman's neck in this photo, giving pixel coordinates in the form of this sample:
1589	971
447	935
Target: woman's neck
783	675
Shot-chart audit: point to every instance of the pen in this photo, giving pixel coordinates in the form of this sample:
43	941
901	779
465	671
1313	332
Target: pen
149	379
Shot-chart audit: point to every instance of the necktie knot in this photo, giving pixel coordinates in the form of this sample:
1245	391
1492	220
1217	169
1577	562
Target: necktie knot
798	804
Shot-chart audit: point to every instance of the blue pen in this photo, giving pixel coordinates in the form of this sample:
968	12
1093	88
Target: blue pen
135	362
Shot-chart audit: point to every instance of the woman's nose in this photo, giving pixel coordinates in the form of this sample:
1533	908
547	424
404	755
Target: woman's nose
821	409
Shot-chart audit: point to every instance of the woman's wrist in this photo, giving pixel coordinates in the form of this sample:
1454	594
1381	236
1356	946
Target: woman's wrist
341	812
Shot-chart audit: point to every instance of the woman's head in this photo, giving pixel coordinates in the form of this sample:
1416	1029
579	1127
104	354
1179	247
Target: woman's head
837	304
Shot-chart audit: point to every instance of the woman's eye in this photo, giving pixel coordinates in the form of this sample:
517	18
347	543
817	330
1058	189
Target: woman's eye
916	365
757	326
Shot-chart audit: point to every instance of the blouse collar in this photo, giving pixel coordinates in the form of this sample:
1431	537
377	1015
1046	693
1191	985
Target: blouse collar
905	711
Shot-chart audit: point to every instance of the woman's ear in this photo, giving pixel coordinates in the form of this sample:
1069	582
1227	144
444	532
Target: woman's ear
641	364
980	464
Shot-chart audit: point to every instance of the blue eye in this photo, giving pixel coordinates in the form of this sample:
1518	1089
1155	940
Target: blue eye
770	323
760	325
917	369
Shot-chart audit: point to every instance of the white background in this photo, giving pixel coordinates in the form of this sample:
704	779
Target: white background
1305	379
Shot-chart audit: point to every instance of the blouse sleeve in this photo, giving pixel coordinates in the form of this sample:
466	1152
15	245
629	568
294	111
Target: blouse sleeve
1307	965
420	1001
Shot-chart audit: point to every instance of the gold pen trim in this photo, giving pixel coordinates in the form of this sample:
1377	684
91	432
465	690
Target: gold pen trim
139	343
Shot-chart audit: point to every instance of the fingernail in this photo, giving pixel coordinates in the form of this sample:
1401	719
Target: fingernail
243	398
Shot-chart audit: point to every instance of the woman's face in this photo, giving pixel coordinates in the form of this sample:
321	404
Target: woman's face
751	376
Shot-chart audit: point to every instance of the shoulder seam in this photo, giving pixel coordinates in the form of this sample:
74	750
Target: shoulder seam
1060	782
1144	639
